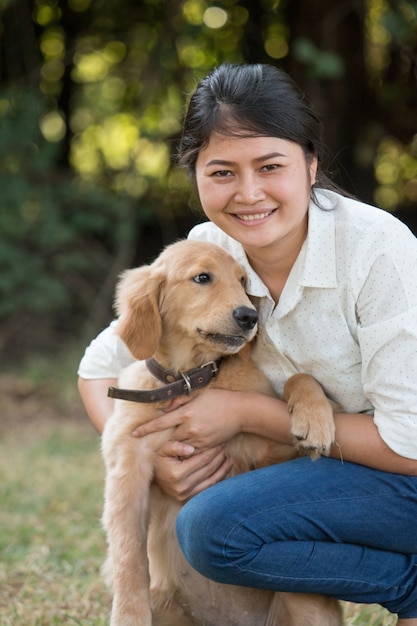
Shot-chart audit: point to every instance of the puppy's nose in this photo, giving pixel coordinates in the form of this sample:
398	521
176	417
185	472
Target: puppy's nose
246	318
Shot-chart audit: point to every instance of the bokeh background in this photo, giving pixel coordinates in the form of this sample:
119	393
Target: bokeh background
92	95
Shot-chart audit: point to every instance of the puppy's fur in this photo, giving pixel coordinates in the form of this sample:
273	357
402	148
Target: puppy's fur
185	310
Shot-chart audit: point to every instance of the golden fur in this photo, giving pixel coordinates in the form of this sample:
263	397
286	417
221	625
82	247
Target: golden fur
180	311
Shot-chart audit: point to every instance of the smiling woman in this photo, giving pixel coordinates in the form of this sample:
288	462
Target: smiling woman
334	283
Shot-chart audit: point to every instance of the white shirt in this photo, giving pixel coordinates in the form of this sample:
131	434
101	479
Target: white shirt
347	316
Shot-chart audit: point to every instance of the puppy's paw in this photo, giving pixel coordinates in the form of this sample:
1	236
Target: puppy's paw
312	422
313	429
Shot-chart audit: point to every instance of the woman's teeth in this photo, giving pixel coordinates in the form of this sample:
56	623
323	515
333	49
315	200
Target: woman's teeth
255	216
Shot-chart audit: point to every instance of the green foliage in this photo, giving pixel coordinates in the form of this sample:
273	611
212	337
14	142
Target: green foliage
91	104
400	20
396	172
321	64
57	234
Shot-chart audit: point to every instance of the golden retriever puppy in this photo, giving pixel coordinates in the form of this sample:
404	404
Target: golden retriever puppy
189	322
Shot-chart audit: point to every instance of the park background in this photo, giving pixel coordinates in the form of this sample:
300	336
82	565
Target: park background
92	95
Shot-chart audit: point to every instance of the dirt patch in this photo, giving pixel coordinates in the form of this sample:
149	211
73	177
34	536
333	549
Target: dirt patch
23	402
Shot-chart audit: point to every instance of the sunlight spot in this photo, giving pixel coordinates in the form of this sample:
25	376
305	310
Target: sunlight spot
53	126
90	67
386	198
190	53
52	44
151	158
45	14
117	138
276	47
386	172
84	156
115	51
193	12
52	70
215	17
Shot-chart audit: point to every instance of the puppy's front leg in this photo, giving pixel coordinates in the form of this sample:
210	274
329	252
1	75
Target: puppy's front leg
312	422
125	518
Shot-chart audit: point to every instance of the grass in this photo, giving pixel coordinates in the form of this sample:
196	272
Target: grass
51	542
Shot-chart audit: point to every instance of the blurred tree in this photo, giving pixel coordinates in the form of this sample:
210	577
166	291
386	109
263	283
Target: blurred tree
358	63
328	41
92	94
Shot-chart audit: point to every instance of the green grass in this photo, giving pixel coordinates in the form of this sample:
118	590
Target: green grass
367	615
51	542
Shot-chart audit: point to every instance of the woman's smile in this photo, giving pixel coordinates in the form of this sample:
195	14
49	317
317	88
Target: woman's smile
254	217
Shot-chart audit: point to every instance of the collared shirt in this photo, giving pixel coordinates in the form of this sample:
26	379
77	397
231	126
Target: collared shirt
347	314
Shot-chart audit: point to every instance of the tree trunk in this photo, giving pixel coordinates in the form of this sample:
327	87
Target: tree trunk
345	103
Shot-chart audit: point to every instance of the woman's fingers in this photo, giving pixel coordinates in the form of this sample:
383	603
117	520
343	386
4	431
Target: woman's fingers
176	449
182	477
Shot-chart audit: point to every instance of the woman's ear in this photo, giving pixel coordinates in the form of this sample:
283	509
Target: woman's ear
312	164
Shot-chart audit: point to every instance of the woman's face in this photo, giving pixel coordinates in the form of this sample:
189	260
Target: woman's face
256	189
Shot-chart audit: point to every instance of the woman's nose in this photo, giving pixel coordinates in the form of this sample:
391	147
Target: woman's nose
249	190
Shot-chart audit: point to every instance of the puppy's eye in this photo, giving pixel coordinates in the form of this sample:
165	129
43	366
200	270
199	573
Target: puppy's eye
243	280
202	278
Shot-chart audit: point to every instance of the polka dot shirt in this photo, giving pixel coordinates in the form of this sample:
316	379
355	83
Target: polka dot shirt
347	314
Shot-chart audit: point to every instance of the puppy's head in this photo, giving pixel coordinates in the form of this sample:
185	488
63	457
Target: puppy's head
191	298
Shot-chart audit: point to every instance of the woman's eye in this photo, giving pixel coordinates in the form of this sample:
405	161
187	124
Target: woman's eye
202	278
222	173
270	167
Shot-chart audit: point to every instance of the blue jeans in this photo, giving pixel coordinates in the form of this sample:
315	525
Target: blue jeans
338	529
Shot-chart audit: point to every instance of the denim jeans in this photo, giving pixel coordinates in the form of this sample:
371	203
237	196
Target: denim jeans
338	529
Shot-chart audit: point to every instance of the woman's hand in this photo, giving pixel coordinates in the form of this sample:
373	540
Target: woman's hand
182	476
201	426
208	420
194	458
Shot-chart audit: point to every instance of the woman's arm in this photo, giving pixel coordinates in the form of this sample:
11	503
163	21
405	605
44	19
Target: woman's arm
216	415
96	402
357	437
359	441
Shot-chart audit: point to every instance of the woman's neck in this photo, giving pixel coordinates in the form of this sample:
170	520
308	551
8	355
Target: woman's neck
273	276
273	264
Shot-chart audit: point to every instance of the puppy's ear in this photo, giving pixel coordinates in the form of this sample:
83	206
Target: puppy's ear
139	325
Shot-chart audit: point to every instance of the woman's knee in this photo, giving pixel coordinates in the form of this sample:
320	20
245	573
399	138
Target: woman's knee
214	528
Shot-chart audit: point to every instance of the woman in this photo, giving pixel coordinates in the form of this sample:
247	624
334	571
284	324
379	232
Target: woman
335	284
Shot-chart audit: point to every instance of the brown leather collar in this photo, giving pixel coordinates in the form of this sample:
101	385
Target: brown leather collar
181	385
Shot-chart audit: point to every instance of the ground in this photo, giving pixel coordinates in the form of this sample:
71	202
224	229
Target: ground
51	483
25	401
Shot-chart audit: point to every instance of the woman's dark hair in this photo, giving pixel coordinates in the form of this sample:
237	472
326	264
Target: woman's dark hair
247	101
